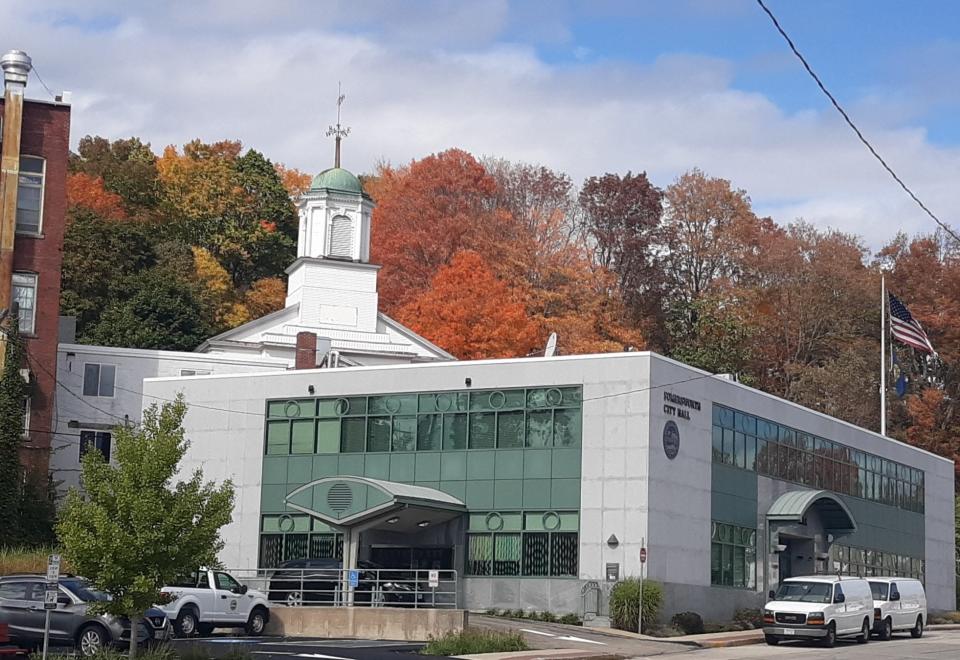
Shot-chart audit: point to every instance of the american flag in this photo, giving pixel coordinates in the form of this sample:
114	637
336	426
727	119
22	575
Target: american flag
906	328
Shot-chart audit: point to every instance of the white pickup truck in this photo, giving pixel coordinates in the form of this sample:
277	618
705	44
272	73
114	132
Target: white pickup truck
207	598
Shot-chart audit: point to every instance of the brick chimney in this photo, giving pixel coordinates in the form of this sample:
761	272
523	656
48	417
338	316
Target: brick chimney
306	351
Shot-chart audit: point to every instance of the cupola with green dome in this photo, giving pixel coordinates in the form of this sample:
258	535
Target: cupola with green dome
337	178
335	212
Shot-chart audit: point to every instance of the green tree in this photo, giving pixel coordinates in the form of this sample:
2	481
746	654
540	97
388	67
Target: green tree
159	309
13	391
98	256
128	167
133	529
719	341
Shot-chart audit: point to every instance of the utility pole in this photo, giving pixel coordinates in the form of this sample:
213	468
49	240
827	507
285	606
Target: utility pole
16	67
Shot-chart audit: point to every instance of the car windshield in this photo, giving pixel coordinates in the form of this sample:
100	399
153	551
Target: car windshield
805	592
84	590
879	590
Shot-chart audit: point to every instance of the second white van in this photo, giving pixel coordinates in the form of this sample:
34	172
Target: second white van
898	604
822	607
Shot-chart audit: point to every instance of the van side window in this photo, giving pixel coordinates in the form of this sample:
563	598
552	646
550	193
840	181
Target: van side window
894	592
837	591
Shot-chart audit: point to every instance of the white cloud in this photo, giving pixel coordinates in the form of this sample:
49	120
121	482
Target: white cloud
422	77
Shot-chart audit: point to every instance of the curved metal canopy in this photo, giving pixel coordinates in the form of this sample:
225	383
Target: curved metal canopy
793	505
346	501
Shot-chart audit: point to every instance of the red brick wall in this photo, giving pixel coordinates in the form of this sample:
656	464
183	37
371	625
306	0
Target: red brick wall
45	133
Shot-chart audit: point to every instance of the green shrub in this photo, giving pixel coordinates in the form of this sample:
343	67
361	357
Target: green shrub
492	611
517	614
473	640
624	601
658	630
570	620
945	617
690	623
547	617
752	618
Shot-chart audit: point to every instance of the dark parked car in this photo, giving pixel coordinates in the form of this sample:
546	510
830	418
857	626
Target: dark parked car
21	608
317	581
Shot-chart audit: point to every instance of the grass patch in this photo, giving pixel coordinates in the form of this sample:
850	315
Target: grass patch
474	640
26	560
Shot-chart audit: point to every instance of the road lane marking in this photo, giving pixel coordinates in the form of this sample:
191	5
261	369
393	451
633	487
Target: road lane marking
538	632
570	638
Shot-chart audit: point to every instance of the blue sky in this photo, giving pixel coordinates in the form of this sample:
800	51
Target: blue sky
582	87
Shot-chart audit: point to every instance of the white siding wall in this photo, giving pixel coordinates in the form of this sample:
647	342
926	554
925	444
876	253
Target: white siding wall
75	412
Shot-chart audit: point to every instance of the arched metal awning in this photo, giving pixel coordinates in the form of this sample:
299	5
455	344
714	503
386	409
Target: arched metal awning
349	502
792	506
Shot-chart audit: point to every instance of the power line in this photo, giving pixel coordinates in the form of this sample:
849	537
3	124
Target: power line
191	405
37	74
853	126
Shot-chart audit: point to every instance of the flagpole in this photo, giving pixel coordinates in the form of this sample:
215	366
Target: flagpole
883	355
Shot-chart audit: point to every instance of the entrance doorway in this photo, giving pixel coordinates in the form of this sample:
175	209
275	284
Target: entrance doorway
798	558
406	557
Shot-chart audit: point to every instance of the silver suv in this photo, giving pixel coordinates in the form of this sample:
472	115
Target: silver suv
21	608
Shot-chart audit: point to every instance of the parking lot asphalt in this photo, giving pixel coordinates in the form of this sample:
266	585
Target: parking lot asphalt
934	645
297	648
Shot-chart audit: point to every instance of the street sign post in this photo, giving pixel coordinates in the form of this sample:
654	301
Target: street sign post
50	597
354	577
643	560
433	580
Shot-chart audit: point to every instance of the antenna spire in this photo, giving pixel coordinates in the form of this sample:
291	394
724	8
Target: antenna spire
338	132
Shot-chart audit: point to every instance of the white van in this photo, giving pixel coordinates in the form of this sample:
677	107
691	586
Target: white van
898	604
820	607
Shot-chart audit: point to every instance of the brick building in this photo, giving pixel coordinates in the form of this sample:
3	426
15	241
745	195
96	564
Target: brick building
38	245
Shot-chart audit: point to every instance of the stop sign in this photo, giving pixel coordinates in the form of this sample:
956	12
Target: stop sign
643	555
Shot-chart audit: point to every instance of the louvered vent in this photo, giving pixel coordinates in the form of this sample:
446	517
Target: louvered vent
339	497
341	237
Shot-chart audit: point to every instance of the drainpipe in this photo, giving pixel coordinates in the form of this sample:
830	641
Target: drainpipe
16	66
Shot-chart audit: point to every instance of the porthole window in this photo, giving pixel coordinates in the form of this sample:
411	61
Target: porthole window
494	522
551	521
292	409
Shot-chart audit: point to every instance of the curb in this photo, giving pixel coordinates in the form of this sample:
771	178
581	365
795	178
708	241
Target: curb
729	643
543	654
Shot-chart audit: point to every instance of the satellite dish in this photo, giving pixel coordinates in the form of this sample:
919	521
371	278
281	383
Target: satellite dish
551	349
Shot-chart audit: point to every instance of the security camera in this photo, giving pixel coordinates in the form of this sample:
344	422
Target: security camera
780	547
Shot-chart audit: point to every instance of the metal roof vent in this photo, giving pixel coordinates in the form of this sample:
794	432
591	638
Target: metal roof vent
16	66
339	497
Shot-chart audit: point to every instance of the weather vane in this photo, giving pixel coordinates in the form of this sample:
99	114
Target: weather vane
338	132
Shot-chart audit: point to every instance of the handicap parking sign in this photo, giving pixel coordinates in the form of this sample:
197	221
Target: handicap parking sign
354	578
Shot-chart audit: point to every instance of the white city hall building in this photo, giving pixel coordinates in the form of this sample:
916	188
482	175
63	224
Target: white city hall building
537	479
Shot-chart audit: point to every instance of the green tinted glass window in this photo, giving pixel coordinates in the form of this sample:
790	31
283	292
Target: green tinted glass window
510	429
506	557
353	434
404	433
302	439
328	436
455	431
566	428
540	428
483	430
429	432
278	437
378	434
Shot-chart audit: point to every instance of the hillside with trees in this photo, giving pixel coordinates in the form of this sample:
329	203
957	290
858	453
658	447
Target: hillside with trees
486	258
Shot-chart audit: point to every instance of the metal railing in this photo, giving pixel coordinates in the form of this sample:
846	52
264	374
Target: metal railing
368	587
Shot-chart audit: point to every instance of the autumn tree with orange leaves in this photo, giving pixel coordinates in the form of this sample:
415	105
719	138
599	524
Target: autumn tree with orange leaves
471	313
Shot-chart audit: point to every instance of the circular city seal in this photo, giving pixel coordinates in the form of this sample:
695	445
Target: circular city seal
671	440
